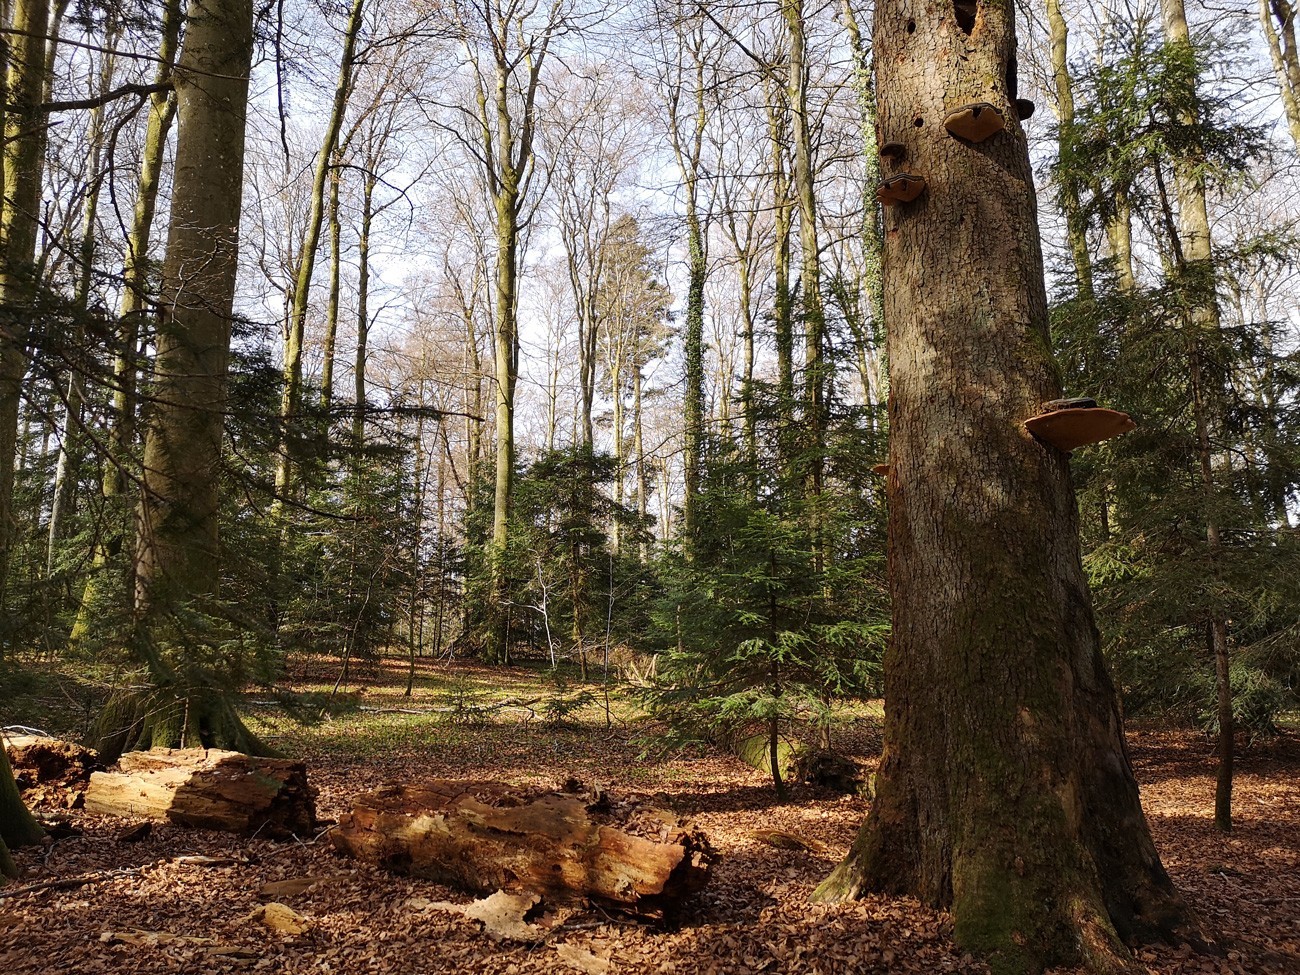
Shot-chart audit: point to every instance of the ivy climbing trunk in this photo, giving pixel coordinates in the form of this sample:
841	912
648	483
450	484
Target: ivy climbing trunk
135	307
23	158
1005	790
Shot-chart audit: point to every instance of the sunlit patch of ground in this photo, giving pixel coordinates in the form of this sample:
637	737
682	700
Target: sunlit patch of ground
472	721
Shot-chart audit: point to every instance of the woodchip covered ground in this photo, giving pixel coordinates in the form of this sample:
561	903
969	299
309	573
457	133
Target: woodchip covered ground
179	916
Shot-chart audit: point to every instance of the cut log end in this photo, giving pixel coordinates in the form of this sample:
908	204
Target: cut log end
487	836
208	789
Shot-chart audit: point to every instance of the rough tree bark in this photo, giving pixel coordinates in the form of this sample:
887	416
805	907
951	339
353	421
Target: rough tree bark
177	552
1005	790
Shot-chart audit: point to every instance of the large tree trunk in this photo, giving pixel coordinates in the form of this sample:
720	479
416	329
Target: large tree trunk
485	836
1005	789
177	555
17	826
208	789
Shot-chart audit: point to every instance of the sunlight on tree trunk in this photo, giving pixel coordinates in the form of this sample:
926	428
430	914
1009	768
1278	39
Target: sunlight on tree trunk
1005	789
178	556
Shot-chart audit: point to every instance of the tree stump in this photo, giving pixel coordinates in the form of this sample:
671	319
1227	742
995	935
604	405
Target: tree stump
49	771
208	789
488	836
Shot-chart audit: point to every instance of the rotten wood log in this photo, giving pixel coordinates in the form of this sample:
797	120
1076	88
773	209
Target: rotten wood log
50	771
488	836
208	789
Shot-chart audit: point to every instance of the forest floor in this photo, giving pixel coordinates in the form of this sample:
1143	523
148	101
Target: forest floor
755	915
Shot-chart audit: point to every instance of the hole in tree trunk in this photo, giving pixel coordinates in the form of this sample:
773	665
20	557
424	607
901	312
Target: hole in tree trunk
918	121
911	26
965	11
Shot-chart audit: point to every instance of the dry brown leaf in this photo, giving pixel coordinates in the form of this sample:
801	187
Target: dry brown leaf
786	841
280	918
292	886
232	951
583	960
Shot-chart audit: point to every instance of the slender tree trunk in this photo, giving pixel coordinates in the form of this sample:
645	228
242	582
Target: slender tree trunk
65	474
868	335
782	318
1195	253
638	448
135	307
363	315
1075	225
291	447
332	308
814	315
24	148
1005	789
1277	17
507	373
1119	234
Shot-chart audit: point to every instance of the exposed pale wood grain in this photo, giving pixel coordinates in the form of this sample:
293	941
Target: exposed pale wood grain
208	788
486	836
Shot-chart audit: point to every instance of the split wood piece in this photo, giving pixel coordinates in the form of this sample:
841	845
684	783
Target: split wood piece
208	789
893	152
901	188
974	122
1071	428
486	836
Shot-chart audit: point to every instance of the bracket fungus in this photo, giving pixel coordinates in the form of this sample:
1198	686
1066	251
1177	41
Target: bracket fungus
1068	424
902	188
974	122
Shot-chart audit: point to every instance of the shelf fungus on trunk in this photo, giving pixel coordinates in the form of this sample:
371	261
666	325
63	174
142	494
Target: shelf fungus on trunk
902	188
1068	424
975	121
893	152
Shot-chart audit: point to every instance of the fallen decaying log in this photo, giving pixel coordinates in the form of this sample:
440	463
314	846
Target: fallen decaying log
208	789
487	836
